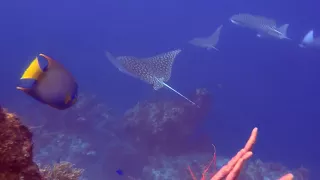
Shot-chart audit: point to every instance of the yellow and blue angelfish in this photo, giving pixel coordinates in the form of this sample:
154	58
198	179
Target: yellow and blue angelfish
49	82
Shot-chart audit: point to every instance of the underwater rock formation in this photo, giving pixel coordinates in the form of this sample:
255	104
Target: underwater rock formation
16	154
61	171
260	170
65	147
73	135
87	116
16	149
157	127
152	140
174	168
166	126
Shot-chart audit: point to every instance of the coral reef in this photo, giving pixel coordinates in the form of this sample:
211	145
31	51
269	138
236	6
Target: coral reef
232	169
152	140
16	149
155	128
61	171
229	171
174	168
166	126
76	134
73	135
16	154
258	170
68	148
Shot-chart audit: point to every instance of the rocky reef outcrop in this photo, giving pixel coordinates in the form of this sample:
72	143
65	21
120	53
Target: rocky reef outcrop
151	140
175	168
165	127
159	128
16	157
16	154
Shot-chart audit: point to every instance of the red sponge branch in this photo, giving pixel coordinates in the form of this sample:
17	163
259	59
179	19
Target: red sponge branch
232	169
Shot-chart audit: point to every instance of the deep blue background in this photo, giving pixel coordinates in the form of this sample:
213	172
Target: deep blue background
267	83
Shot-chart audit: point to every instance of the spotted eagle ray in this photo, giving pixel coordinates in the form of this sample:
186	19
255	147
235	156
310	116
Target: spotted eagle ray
154	70
265	27
310	41
208	42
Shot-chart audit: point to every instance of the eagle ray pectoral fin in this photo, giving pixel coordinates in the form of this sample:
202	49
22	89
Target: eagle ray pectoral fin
308	38
283	29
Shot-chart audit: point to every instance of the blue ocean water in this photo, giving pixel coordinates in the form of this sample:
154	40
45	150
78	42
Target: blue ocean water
266	83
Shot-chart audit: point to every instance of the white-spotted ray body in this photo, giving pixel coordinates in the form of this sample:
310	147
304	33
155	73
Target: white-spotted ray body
154	70
265	27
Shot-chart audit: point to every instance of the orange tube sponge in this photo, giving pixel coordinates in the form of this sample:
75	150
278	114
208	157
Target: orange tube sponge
232	169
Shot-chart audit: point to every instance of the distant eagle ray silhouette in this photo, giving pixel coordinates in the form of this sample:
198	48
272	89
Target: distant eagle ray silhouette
265	27
310	41
154	70
208	42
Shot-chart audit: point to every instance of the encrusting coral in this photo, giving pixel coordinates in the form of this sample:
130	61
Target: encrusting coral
16	149
61	171
16	154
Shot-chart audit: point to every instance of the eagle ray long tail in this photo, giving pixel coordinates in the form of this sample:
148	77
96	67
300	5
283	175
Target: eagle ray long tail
176	92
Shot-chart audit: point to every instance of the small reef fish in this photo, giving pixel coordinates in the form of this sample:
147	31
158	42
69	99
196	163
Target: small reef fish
310	41
265	27
120	172
49	82
207	42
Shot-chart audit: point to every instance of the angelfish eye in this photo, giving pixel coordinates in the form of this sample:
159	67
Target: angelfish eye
74	100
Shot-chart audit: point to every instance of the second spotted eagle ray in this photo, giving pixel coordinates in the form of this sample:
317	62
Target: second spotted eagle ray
310	41
265	27
154	70
208	42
